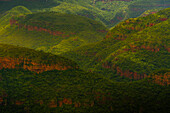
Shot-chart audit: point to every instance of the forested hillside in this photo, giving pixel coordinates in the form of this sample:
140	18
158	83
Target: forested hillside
6	17
110	12
58	56
12	57
73	90
129	48
50	32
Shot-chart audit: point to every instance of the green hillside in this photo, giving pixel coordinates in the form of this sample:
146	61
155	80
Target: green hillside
110	12
152	11
141	6
72	90
133	49
14	57
51	32
77	91
16	11
123	70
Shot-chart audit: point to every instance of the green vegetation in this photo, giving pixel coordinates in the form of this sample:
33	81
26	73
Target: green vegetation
16	11
130	46
73	90
51	32
125	72
81	87
152	11
106	11
14	52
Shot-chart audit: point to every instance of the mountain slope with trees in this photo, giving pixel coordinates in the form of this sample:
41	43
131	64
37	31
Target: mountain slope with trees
127	71
74	90
110	12
16	11
12	57
50	32
129	48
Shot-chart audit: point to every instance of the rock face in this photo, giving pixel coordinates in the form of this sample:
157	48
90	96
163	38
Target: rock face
161	79
27	64
131	75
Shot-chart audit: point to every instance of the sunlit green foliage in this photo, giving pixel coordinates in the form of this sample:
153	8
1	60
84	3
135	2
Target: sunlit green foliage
138	45
9	51
16	11
130	45
70	28
106	11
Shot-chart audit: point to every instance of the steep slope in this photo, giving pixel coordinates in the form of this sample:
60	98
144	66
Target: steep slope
77	91
16	11
120	10
34	81
140	6
12	57
50	31
152	11
129	48
110	12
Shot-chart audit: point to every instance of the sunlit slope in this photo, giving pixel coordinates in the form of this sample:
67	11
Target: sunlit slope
107	11
16	11
133	47
118	10
45	31
152	11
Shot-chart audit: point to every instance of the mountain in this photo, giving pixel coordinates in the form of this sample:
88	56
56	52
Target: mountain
71	89
16	11
13	57
120	10
110	12
152	11
51	32
123	70
129	48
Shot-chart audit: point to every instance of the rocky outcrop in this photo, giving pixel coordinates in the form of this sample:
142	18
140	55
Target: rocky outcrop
40	29
149	48
161	79
27	64
126	28
129	74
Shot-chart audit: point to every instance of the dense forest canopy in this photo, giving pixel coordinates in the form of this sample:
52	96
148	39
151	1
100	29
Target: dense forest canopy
50	32
129	48
79	56
110	12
